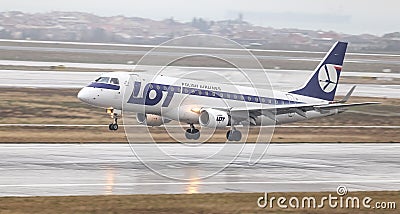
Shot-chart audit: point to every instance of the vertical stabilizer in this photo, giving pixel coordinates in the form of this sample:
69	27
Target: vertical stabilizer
324	80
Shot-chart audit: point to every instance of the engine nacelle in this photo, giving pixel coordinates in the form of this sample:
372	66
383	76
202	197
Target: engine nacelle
214	118
151	119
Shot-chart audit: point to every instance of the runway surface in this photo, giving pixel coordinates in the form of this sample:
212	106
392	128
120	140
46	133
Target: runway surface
177	51
116	45
181	53
97	169
150	68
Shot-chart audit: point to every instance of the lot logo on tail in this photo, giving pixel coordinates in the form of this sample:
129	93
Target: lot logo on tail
322	83
328	77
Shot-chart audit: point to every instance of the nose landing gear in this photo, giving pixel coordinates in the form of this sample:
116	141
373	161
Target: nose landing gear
115	114
113	126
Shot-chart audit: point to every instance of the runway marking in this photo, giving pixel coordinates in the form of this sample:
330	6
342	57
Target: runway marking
178	126
203	183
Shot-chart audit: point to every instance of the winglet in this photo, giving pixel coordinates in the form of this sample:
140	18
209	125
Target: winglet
346	98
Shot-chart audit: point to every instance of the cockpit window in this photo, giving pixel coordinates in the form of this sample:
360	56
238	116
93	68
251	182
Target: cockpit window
114	81
102	79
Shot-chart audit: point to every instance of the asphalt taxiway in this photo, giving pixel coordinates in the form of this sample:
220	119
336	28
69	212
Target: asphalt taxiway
98	169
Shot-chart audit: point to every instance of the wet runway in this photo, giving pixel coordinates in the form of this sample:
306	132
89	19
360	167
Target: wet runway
97	169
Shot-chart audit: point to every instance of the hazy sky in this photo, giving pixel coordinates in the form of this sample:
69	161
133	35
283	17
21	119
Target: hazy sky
347	16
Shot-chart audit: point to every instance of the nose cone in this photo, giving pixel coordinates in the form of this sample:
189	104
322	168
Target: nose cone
84	95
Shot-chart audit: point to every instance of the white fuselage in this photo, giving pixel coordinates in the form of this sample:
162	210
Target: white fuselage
180	99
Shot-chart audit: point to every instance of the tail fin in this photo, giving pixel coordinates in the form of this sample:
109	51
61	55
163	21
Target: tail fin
324	80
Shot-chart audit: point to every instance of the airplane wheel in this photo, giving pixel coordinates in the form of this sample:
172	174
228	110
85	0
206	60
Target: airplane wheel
229	135
196	135
237	135
113	126
192	134
234	135
188	135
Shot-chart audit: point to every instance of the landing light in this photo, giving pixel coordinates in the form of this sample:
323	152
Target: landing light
110	110
196	110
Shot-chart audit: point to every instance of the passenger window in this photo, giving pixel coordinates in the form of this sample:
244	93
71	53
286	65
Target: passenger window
114	81
102	79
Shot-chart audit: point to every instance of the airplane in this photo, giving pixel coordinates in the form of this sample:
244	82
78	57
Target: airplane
216	105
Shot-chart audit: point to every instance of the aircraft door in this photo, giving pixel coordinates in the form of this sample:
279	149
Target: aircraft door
291	101
116	83
132	85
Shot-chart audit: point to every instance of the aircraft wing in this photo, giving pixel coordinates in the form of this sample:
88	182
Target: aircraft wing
343	105
244	113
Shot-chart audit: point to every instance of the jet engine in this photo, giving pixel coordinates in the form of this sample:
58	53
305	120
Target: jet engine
151	119
214	118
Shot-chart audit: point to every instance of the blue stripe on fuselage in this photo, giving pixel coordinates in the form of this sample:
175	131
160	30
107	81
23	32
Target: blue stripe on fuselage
235	96
104	85
160	88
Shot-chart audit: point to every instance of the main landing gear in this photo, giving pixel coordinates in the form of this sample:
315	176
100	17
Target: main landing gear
115	114
192	133
234	135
